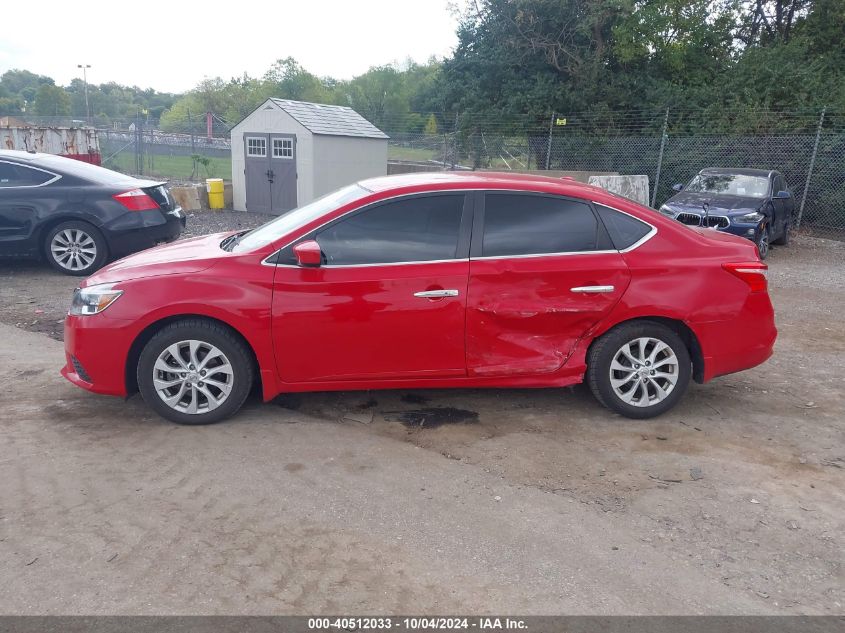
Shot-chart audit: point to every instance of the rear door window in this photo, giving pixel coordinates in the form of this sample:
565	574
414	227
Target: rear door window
14	175
417	229
524	224
624	230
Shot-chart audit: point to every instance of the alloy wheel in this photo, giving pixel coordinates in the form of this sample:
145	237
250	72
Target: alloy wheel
644	371
73	249
193	377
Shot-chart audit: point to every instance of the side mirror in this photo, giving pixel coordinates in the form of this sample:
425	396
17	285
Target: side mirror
677	187
783	195
308	254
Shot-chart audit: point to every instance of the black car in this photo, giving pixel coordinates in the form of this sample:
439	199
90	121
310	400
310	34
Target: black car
76	215
752	203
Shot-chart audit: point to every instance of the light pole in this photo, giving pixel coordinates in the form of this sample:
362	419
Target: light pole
85	68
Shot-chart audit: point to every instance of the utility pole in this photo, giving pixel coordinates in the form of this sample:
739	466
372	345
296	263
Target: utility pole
85	68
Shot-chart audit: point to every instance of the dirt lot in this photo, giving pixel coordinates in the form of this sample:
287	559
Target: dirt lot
431	501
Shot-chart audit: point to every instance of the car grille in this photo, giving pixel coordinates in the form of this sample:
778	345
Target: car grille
718	221
713	221
79	369
691	219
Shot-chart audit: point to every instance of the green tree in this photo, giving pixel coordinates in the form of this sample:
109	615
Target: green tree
51	100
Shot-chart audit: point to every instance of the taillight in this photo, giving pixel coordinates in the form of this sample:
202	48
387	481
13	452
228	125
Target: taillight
136	200
753	273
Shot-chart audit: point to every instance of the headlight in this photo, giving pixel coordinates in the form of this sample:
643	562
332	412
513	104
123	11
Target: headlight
667	211
93	299
748	218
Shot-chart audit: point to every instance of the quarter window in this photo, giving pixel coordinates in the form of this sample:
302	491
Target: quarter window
282	148
256	146
517	224
13	175
417	229
624	230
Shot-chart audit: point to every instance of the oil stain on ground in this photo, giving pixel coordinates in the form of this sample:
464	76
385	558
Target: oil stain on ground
429	418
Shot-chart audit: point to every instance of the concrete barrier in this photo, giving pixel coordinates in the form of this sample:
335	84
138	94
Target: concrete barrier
633	187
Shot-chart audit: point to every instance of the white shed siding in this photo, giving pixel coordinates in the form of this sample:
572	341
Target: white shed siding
273	121
342	160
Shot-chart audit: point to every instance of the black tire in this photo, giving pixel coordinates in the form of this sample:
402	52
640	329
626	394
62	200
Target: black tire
604	350
783	240
212	335
764	242
77	235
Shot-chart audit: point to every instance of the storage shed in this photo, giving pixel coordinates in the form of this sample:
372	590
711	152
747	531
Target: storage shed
287	153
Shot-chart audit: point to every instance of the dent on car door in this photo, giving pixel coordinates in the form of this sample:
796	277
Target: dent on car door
389	300
542	272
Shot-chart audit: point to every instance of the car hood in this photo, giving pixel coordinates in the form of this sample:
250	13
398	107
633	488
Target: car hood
688	201
185	256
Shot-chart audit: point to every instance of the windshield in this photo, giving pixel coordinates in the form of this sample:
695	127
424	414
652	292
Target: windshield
730	185
281	226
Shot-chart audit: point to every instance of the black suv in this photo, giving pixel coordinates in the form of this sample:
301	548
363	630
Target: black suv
752	203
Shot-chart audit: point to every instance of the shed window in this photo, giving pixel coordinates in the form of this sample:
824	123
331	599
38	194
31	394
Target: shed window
282	148
256	146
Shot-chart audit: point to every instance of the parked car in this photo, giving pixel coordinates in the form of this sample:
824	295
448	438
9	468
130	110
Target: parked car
77	216
752	203
455	279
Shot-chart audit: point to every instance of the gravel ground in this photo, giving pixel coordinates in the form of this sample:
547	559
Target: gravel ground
205	222
521	501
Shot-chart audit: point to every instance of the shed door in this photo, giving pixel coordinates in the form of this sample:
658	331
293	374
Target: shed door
270	172
283	172
257	173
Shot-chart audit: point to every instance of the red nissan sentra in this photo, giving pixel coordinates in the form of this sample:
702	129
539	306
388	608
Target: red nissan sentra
427	281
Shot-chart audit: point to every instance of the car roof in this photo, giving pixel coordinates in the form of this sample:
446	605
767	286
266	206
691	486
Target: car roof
14	154
433	181
738	171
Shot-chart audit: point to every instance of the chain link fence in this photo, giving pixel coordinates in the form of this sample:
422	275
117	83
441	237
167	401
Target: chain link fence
807	148
669	147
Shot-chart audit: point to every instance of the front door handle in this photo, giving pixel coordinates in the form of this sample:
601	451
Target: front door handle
436	294
592	290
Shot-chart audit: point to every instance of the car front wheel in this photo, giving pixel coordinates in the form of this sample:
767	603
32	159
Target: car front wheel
764	242
639	369
195	372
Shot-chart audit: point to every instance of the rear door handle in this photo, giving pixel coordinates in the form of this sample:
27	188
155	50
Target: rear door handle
592	290
435	294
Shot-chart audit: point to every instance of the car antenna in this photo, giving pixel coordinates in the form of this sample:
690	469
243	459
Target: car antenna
706	207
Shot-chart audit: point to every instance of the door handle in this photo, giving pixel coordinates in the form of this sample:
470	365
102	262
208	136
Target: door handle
592	290
436	294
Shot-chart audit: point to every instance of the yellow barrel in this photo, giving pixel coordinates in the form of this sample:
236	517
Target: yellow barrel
214	187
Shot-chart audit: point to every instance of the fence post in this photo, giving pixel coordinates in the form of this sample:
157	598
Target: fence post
660	158
455	141
810	168
549	145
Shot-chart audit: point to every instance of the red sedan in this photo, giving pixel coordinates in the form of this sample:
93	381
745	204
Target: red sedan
427	281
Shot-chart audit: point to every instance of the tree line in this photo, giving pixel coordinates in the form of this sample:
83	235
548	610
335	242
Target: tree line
610	66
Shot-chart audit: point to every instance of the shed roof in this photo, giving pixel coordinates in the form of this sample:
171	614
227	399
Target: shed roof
330	120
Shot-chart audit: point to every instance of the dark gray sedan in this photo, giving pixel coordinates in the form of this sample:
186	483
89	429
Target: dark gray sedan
78	216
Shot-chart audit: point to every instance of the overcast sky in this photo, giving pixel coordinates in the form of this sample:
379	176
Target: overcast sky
171	45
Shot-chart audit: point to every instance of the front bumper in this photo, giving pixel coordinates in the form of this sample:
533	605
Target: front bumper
96	349
140	230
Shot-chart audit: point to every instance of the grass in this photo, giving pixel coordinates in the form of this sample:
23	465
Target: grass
171	167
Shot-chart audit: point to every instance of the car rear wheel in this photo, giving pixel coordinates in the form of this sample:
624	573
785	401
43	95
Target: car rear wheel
639	369
783	240
195	372
75	248
764	242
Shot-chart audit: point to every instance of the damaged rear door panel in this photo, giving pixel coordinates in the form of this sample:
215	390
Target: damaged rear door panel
542	273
